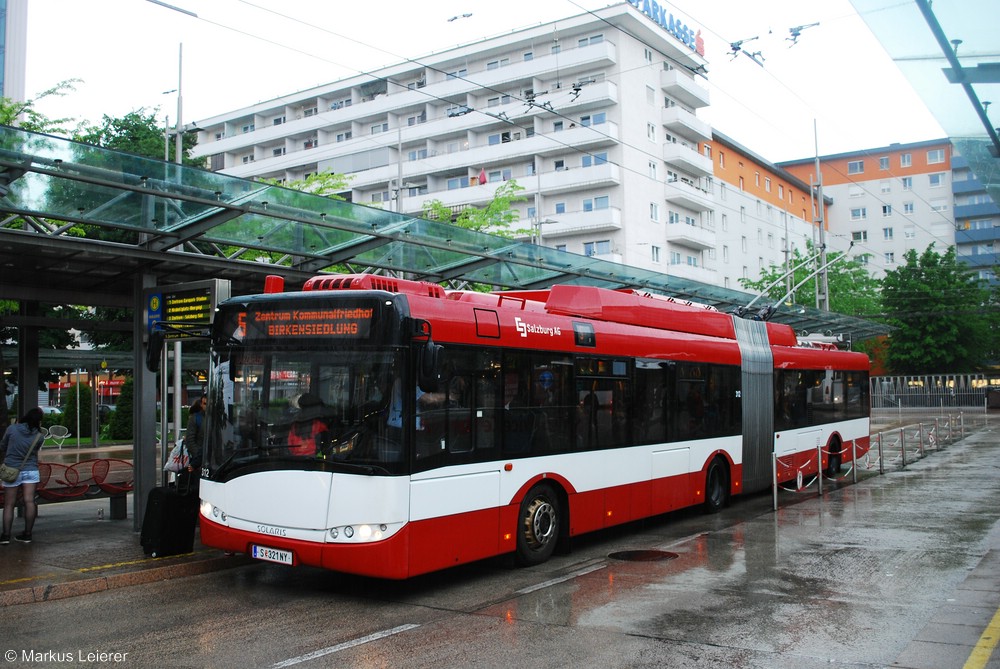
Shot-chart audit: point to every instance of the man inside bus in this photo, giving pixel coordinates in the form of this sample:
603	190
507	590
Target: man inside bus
309	432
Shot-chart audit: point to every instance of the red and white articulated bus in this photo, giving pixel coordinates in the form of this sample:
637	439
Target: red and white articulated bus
391	428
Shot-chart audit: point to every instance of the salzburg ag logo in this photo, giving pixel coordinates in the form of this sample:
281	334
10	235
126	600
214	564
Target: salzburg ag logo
526	328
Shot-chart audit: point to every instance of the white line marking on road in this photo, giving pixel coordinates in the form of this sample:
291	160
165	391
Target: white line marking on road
375	636
561	579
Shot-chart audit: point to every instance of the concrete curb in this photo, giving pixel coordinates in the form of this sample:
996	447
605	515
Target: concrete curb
86	586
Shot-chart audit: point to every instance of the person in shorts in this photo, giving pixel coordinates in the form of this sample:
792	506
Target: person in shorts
16	442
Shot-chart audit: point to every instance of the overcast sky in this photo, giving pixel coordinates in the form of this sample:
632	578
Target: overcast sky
239	52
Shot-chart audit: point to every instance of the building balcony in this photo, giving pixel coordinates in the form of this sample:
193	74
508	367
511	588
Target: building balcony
687	159
690	236
693	273
581	223
967	186
680	121
689	196
976	210
977	236
684	89
577	178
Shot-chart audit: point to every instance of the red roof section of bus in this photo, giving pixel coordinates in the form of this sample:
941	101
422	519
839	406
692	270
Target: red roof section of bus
626	306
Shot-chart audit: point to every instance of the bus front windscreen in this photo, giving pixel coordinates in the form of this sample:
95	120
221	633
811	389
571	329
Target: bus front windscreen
311	408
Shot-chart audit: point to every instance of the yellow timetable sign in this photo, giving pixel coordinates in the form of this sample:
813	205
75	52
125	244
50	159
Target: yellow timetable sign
193	307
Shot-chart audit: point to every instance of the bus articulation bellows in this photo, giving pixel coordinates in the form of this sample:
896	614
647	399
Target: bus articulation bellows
391	428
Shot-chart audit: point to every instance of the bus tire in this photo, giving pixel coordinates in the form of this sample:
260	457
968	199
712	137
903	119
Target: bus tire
538	525
716	486
834	460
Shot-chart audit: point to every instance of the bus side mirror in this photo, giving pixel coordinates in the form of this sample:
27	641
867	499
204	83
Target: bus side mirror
428	367
153	349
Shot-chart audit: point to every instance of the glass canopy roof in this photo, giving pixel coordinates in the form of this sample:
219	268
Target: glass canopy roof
186	215
948	52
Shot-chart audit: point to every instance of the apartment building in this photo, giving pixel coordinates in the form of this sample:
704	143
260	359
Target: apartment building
977	220
887	200
13	54
762	214
595	116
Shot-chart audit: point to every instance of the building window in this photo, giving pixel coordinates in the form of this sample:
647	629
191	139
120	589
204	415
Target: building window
725	223
596	159
648	55
602	247
593	119
722	160
909	232
887	234
859	213
856	167
741	183
652	169
743	243
655	254
855	191
883	163
556	48
859	236
939	204
529	55
692	261
935	156
418	154
457	73
380	127
908	208
673	217
559	165
907	183
456	182
557	126
280	151
651	132
936	179
905	160
725	254
248	159
344	136
249	127
278	120
767	184
743	214
560	207
675	258
890	258
885	186
654	212
886	210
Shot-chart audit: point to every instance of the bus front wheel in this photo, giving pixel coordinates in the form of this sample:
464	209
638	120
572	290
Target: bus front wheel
538	526
716	486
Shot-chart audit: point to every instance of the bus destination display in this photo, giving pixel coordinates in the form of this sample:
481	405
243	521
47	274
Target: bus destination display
348	322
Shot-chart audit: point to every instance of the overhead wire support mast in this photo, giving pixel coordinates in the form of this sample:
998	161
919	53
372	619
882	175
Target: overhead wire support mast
768	311
741	311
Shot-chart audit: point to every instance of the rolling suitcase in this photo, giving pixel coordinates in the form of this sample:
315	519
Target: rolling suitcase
168	523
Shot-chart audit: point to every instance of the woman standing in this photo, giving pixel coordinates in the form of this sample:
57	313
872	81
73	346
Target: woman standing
17	441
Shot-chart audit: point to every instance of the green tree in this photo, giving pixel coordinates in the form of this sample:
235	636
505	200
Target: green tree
78	394
852	289
23	114
496	217
120	424
137	132
942	314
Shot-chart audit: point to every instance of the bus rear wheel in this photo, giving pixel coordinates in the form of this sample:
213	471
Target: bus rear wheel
716	486
538	526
